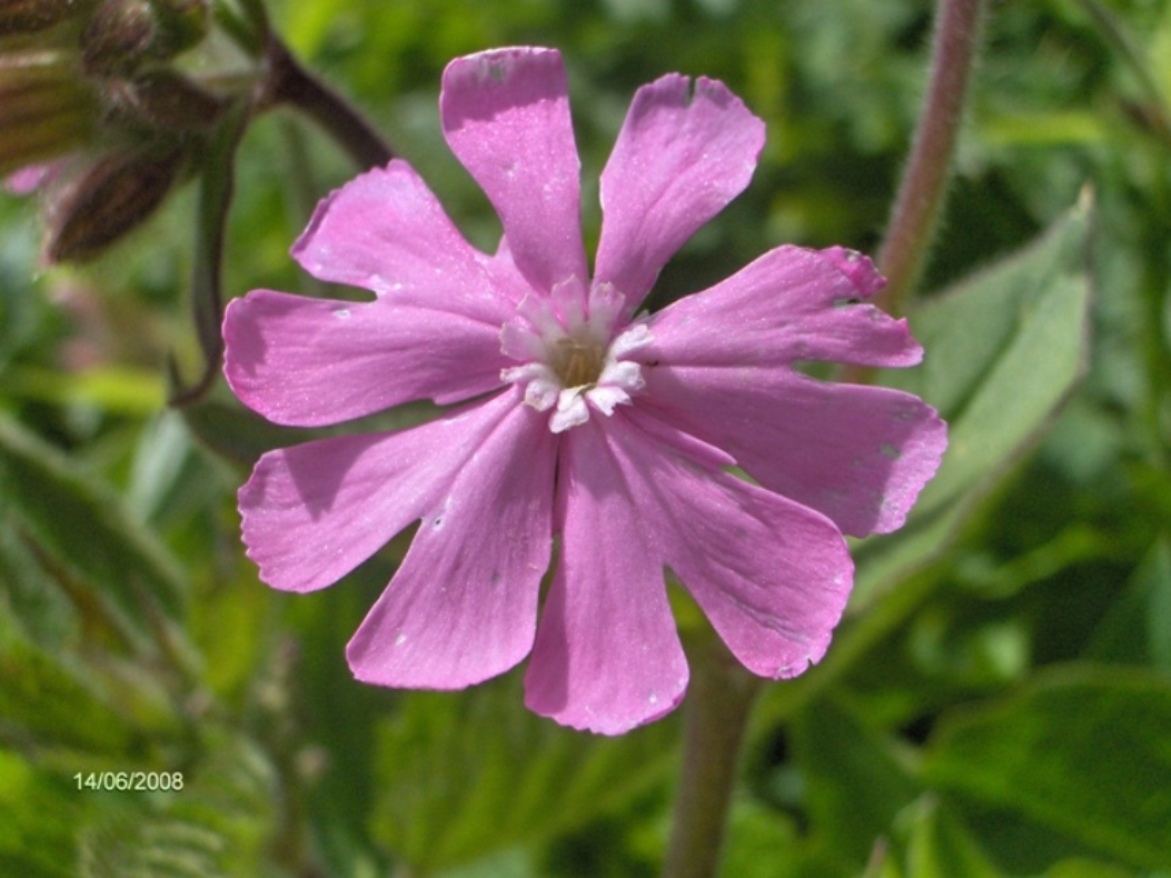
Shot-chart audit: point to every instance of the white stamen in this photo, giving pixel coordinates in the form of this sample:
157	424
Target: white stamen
605	398
571	410
631	339
569	355
623	373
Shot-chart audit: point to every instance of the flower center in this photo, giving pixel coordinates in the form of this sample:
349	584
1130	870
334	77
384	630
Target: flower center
577	363
570	354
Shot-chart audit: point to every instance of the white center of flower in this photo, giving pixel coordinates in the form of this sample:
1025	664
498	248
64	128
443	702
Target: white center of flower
571	357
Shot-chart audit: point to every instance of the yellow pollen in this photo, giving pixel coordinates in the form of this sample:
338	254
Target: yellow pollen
577	363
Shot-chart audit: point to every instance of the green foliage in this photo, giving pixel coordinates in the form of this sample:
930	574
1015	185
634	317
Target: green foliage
129	571
996	702
466	777
854	782
1081	748
218	826
1004	350
42	816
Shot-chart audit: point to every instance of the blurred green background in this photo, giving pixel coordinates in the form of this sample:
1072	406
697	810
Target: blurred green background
998	701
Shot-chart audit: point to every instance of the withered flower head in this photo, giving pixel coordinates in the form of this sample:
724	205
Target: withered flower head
46	110
93	114
19	17
89	210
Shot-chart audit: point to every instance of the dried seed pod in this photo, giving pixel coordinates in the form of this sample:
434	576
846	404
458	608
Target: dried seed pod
46	110
106	200
119	36
29	16
165	100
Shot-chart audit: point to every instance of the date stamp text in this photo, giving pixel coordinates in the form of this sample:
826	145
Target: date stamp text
129	781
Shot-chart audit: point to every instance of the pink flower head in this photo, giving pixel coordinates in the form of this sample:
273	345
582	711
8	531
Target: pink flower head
28	180
576	416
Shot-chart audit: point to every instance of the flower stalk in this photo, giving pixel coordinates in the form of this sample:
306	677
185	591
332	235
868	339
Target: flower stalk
924	185
293	84
719	703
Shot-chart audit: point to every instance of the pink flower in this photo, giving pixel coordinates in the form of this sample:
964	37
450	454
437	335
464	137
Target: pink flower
577	417
28	180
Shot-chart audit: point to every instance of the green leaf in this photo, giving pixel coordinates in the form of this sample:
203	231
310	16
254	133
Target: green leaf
42	610
241	436
1083	749
46	703
464	775
1138	628
40	822
87	535
940	846
1004	350
1043	129
114	389
171	479
760	843
855	784
1081	868
238	434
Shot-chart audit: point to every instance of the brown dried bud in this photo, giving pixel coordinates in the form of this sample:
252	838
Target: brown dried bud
30	16
119	36
106	200
46	110
184	22
165	100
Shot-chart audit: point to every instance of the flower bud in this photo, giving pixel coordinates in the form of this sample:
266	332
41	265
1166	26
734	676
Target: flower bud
119	36
106	200
183	22
46	110
122	34
165	100
30	16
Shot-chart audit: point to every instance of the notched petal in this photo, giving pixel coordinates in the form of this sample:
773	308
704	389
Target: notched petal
313	512
680	158
857	454
312	362
772	575
792	304
385	231
506	117
607	657
463	605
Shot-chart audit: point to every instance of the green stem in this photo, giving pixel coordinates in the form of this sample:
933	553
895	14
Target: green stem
291	83
924	184
719	702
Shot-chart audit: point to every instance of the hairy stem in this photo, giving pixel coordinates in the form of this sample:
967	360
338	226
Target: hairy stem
924	185
719	702
293	84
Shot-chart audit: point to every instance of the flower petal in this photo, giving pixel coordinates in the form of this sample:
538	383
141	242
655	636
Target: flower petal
384	231
772	575
314	512
791	304
857	454
309	362
607	657
28	179
463	605
679	159
506	117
